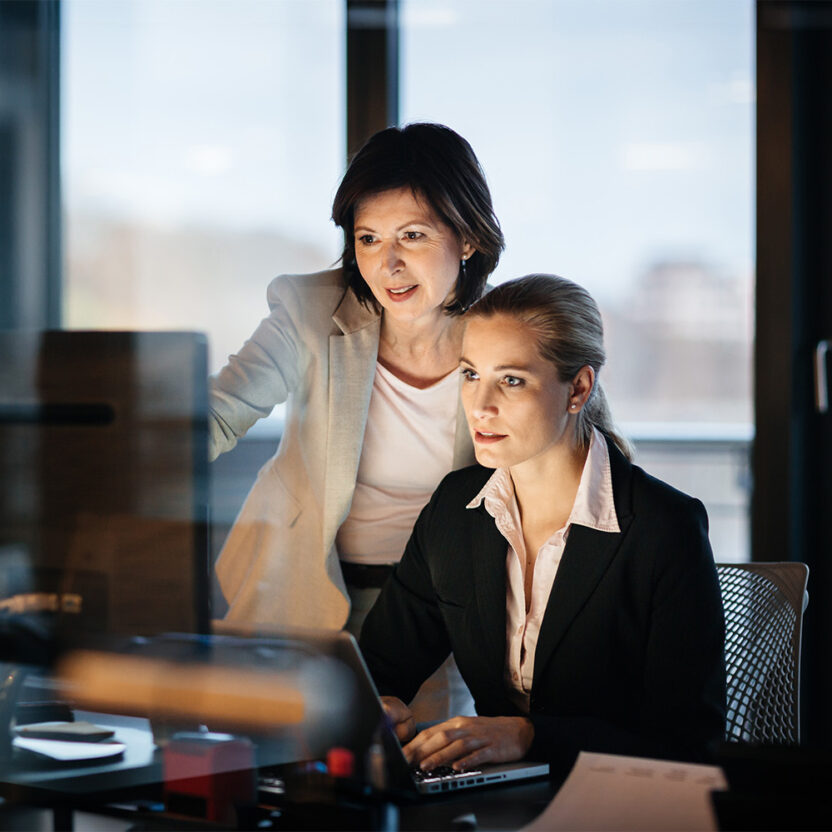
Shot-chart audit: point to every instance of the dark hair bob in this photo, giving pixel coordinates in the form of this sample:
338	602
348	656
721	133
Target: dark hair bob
439	165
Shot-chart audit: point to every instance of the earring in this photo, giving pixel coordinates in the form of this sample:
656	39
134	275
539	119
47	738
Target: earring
462	266
573	406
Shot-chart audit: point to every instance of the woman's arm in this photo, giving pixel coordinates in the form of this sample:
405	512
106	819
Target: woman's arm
404	639
261	374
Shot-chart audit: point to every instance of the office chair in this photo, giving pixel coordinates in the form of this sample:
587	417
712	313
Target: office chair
764	605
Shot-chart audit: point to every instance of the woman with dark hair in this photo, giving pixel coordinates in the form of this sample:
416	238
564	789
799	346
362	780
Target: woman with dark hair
577	593
366	356
436	163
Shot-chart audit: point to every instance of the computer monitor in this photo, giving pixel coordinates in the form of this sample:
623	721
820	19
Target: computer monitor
104	486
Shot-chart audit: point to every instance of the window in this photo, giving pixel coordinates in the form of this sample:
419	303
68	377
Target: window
618	138
202	145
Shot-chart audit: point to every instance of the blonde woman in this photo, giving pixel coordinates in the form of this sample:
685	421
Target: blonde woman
577	593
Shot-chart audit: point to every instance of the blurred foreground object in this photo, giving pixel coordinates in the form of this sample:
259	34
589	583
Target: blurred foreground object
244	698
292	696
104	484
210	776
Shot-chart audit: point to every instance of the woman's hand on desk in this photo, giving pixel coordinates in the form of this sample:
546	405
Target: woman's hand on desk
401	717
465	742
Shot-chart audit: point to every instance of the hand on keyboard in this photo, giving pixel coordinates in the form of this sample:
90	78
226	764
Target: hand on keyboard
464	742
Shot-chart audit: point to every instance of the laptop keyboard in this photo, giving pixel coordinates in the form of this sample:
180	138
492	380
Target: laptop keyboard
441	773
271	785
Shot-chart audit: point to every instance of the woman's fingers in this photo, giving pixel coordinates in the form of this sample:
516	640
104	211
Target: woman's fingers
434	739
455	752
471	741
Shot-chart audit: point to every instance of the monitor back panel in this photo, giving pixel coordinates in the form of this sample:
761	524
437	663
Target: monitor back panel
104	479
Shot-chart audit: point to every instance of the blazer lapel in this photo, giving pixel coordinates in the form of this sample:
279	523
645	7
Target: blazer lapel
585	559
489	549
352	365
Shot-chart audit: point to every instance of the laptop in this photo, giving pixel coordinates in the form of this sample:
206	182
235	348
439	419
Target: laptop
343	711
372	729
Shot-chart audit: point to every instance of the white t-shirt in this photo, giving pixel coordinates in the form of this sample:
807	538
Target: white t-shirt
408	448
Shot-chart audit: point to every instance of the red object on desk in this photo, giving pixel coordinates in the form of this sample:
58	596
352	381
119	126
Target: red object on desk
209	775
340	762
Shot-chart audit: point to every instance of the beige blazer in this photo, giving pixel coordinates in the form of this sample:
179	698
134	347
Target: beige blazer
317	350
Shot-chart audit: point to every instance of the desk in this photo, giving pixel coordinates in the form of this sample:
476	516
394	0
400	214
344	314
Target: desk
770	789
504	807
138	775
139	765
27	781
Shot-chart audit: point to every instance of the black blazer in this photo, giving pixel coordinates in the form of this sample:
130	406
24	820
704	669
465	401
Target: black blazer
630	653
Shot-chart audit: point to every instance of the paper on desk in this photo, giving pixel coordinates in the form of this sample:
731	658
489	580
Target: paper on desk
610	792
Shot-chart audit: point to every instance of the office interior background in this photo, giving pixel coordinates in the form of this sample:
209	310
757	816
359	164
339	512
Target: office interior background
162	160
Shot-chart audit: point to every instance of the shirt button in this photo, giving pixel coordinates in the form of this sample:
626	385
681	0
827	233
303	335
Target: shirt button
515	676
520	630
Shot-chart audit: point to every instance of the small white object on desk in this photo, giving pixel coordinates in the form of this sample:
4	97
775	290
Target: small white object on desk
68	752
608	791
79	731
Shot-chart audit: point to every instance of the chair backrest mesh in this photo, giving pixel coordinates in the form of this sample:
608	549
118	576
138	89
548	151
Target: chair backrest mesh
763	606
